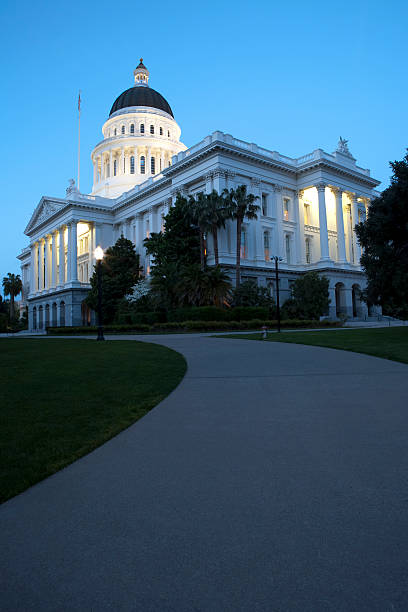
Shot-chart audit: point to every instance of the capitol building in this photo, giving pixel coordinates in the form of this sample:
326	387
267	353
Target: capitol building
308	208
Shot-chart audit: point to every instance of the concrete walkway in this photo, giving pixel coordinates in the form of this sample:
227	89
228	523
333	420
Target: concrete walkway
274	478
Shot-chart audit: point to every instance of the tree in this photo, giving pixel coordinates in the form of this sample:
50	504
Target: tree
240	205
384	239
310	297
120	271
209	287
249	294
12	286
209	213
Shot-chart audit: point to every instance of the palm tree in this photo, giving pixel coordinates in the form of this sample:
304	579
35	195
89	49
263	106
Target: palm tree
197	287
240	206
198	216
12	286
217	214
218	286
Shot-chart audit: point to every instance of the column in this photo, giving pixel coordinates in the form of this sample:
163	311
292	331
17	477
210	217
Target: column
122	161
95	164
277	248
72	252
33	265
354	221
102	174
41	264
256	226
54	259
47	261
341	241
61	271
300	226
110	164
208	182
324	236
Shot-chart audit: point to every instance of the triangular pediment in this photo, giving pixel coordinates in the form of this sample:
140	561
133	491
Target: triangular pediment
45	209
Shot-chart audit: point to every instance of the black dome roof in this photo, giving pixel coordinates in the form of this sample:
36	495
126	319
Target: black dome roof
141	96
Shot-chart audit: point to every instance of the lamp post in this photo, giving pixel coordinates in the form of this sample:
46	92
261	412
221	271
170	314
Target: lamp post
99	257
277	260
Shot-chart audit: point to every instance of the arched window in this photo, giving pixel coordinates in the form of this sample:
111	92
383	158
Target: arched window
142	165
132	128
123	129
168	134
132	165
308	251
161	131
286	208
115	163
142	128
152	129
153	165
62	314
34	318
266	246
115	131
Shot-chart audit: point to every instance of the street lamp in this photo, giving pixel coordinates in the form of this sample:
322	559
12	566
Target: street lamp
99	256
277	259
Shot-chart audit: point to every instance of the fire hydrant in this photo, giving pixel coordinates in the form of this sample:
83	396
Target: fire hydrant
264	332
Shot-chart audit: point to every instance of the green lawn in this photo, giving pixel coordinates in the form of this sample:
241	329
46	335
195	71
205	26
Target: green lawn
61	399
389	343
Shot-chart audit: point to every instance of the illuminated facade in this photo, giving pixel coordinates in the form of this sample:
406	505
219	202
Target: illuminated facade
308	208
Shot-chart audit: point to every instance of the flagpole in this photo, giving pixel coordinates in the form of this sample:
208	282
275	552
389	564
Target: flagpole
79	137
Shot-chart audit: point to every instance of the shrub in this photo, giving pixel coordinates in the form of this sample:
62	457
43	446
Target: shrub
198	313
248	313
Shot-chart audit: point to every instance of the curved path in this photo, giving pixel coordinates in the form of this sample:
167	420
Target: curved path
274	478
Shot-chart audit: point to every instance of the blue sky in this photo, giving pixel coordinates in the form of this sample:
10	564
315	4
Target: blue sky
289	76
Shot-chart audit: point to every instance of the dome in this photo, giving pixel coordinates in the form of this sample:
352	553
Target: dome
141	96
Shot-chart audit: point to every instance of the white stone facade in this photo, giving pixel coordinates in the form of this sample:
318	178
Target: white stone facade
309	207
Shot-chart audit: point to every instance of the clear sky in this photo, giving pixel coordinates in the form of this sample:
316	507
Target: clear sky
289	76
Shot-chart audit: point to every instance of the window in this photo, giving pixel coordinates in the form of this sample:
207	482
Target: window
147	229
286	208
124	165
168	134
142	165
266	246
115	131
287	248
142	128
132	128
308	251
264	204
169	163
152	165
152	129
132	165
244	251
161	131
115	163
123	129
307	214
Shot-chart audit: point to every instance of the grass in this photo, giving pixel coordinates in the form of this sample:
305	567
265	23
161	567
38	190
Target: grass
388	343
60	399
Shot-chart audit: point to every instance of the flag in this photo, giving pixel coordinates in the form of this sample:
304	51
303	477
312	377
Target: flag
79	102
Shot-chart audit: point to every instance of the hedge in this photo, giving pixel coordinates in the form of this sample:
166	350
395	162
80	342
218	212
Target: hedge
194	326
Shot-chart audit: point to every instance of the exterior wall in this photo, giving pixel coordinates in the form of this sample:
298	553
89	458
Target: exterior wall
310	206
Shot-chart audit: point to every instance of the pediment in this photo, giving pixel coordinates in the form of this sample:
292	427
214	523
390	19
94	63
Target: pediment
45	209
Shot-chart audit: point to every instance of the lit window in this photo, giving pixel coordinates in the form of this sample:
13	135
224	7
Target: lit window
147	229
123	129
308	250
243	244
286	208
142	128
264	205
114	167
161	131
266	246
287	248
132	165
132	128
152	129
307	214
142	165
152	165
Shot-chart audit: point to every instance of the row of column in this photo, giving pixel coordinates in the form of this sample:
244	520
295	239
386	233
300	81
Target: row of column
104	163
49	269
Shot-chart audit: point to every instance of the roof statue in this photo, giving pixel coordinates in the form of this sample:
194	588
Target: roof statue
72	188
342	147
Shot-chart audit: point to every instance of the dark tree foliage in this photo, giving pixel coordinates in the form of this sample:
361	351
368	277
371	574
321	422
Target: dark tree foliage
384	239
310	297
180	242
249	294
120	272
